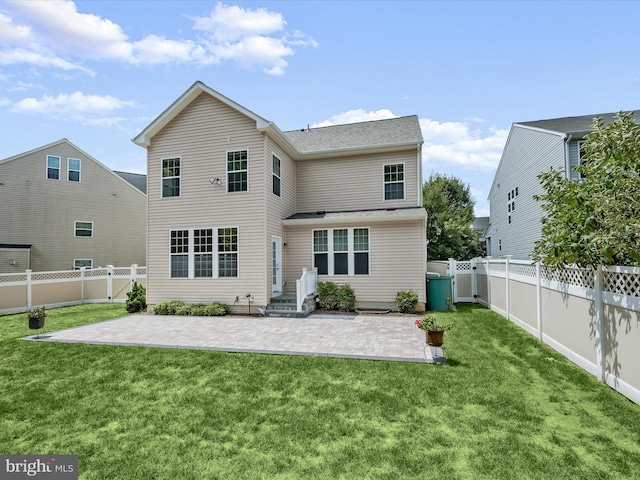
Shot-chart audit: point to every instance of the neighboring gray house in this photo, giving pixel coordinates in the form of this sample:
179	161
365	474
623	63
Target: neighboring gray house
531	148
238	208
62	209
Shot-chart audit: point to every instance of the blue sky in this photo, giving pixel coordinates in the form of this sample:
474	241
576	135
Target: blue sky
98	72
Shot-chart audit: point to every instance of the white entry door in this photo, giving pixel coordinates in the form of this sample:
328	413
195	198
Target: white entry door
276	265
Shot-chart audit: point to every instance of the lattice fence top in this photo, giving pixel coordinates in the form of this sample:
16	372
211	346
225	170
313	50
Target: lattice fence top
13	277
624	283
66	275
582	277
122	272
463	266
140	271
95	272
523	269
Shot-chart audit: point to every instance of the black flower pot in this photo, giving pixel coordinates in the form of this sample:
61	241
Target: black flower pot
36	323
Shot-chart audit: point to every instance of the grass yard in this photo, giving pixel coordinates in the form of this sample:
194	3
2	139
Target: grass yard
504	407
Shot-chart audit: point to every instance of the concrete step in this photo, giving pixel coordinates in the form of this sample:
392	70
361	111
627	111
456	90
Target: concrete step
287	298
285	313
282	306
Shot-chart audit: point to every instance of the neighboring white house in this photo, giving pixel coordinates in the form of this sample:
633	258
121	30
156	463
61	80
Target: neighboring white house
238	208
61	209
531	148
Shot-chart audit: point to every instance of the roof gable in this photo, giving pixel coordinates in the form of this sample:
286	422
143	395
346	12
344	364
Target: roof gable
573	125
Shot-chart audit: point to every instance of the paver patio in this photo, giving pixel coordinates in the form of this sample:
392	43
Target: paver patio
374	337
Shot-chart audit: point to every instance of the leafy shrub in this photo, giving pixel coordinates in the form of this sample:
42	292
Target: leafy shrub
334	297
168	307
347	298
177	307
406	301
328	293
136	298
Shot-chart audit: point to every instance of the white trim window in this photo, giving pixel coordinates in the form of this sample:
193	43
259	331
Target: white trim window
277	180
73	170
53	167
82	229
79	263
394	181
511	202
341	251
170	177
238	171
582	158
192	253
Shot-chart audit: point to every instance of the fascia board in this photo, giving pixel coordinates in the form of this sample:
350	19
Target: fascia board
353	219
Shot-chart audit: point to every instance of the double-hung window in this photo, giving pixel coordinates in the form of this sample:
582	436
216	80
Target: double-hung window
277	181
73	170
170	177
204	253
83	229
179	253
79	263
341	251
238	171
53	167
394	181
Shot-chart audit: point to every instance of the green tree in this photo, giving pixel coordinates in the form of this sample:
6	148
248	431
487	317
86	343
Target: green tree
595	221
449	206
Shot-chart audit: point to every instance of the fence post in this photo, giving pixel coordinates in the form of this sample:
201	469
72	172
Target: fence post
29	289
539	298
507	299
110	283
488	283
474	280
133	274
597	284
82	269
452	272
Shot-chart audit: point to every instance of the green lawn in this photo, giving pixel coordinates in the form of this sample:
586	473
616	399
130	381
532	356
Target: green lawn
504	407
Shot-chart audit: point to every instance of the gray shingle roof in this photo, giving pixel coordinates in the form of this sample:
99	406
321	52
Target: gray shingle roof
138	180
568	125
378	133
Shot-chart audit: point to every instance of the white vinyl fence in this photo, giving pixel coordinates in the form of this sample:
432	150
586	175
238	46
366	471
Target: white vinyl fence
592	317
22	291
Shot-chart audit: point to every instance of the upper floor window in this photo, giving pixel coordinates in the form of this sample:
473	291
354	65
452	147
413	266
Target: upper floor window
276	176
73	170
170	177
53	167
83	229
237	171
394	181
582	155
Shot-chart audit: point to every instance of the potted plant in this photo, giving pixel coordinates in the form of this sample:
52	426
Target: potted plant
435	330
36	317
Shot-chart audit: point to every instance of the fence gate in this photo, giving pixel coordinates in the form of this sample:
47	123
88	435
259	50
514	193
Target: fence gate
464	285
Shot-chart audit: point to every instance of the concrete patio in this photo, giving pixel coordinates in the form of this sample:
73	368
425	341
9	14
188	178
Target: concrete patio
372	337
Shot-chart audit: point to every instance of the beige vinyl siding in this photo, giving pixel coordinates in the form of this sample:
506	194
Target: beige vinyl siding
201	135
278	207
41	212
396	260
354	183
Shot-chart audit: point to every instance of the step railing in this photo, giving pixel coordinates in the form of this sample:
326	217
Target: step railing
307	285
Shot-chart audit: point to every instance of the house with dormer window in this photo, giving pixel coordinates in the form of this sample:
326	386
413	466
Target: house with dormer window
238	210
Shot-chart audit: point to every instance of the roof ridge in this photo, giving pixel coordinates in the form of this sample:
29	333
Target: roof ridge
351	123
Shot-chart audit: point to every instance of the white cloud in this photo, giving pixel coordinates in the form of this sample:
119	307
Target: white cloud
78	107
355	116
455	143
4	102
55	34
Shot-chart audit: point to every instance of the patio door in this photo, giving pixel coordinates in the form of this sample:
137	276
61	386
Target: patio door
276	266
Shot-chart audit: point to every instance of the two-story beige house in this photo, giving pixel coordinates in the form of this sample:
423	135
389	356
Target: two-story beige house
62	209
237	207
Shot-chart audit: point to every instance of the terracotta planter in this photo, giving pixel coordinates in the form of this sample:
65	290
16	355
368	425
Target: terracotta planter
435	338
36	323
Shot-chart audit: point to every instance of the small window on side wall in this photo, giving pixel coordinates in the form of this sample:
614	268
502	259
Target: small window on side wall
53	167
277	180
83	229
170	177
394	181
79	263
73	170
